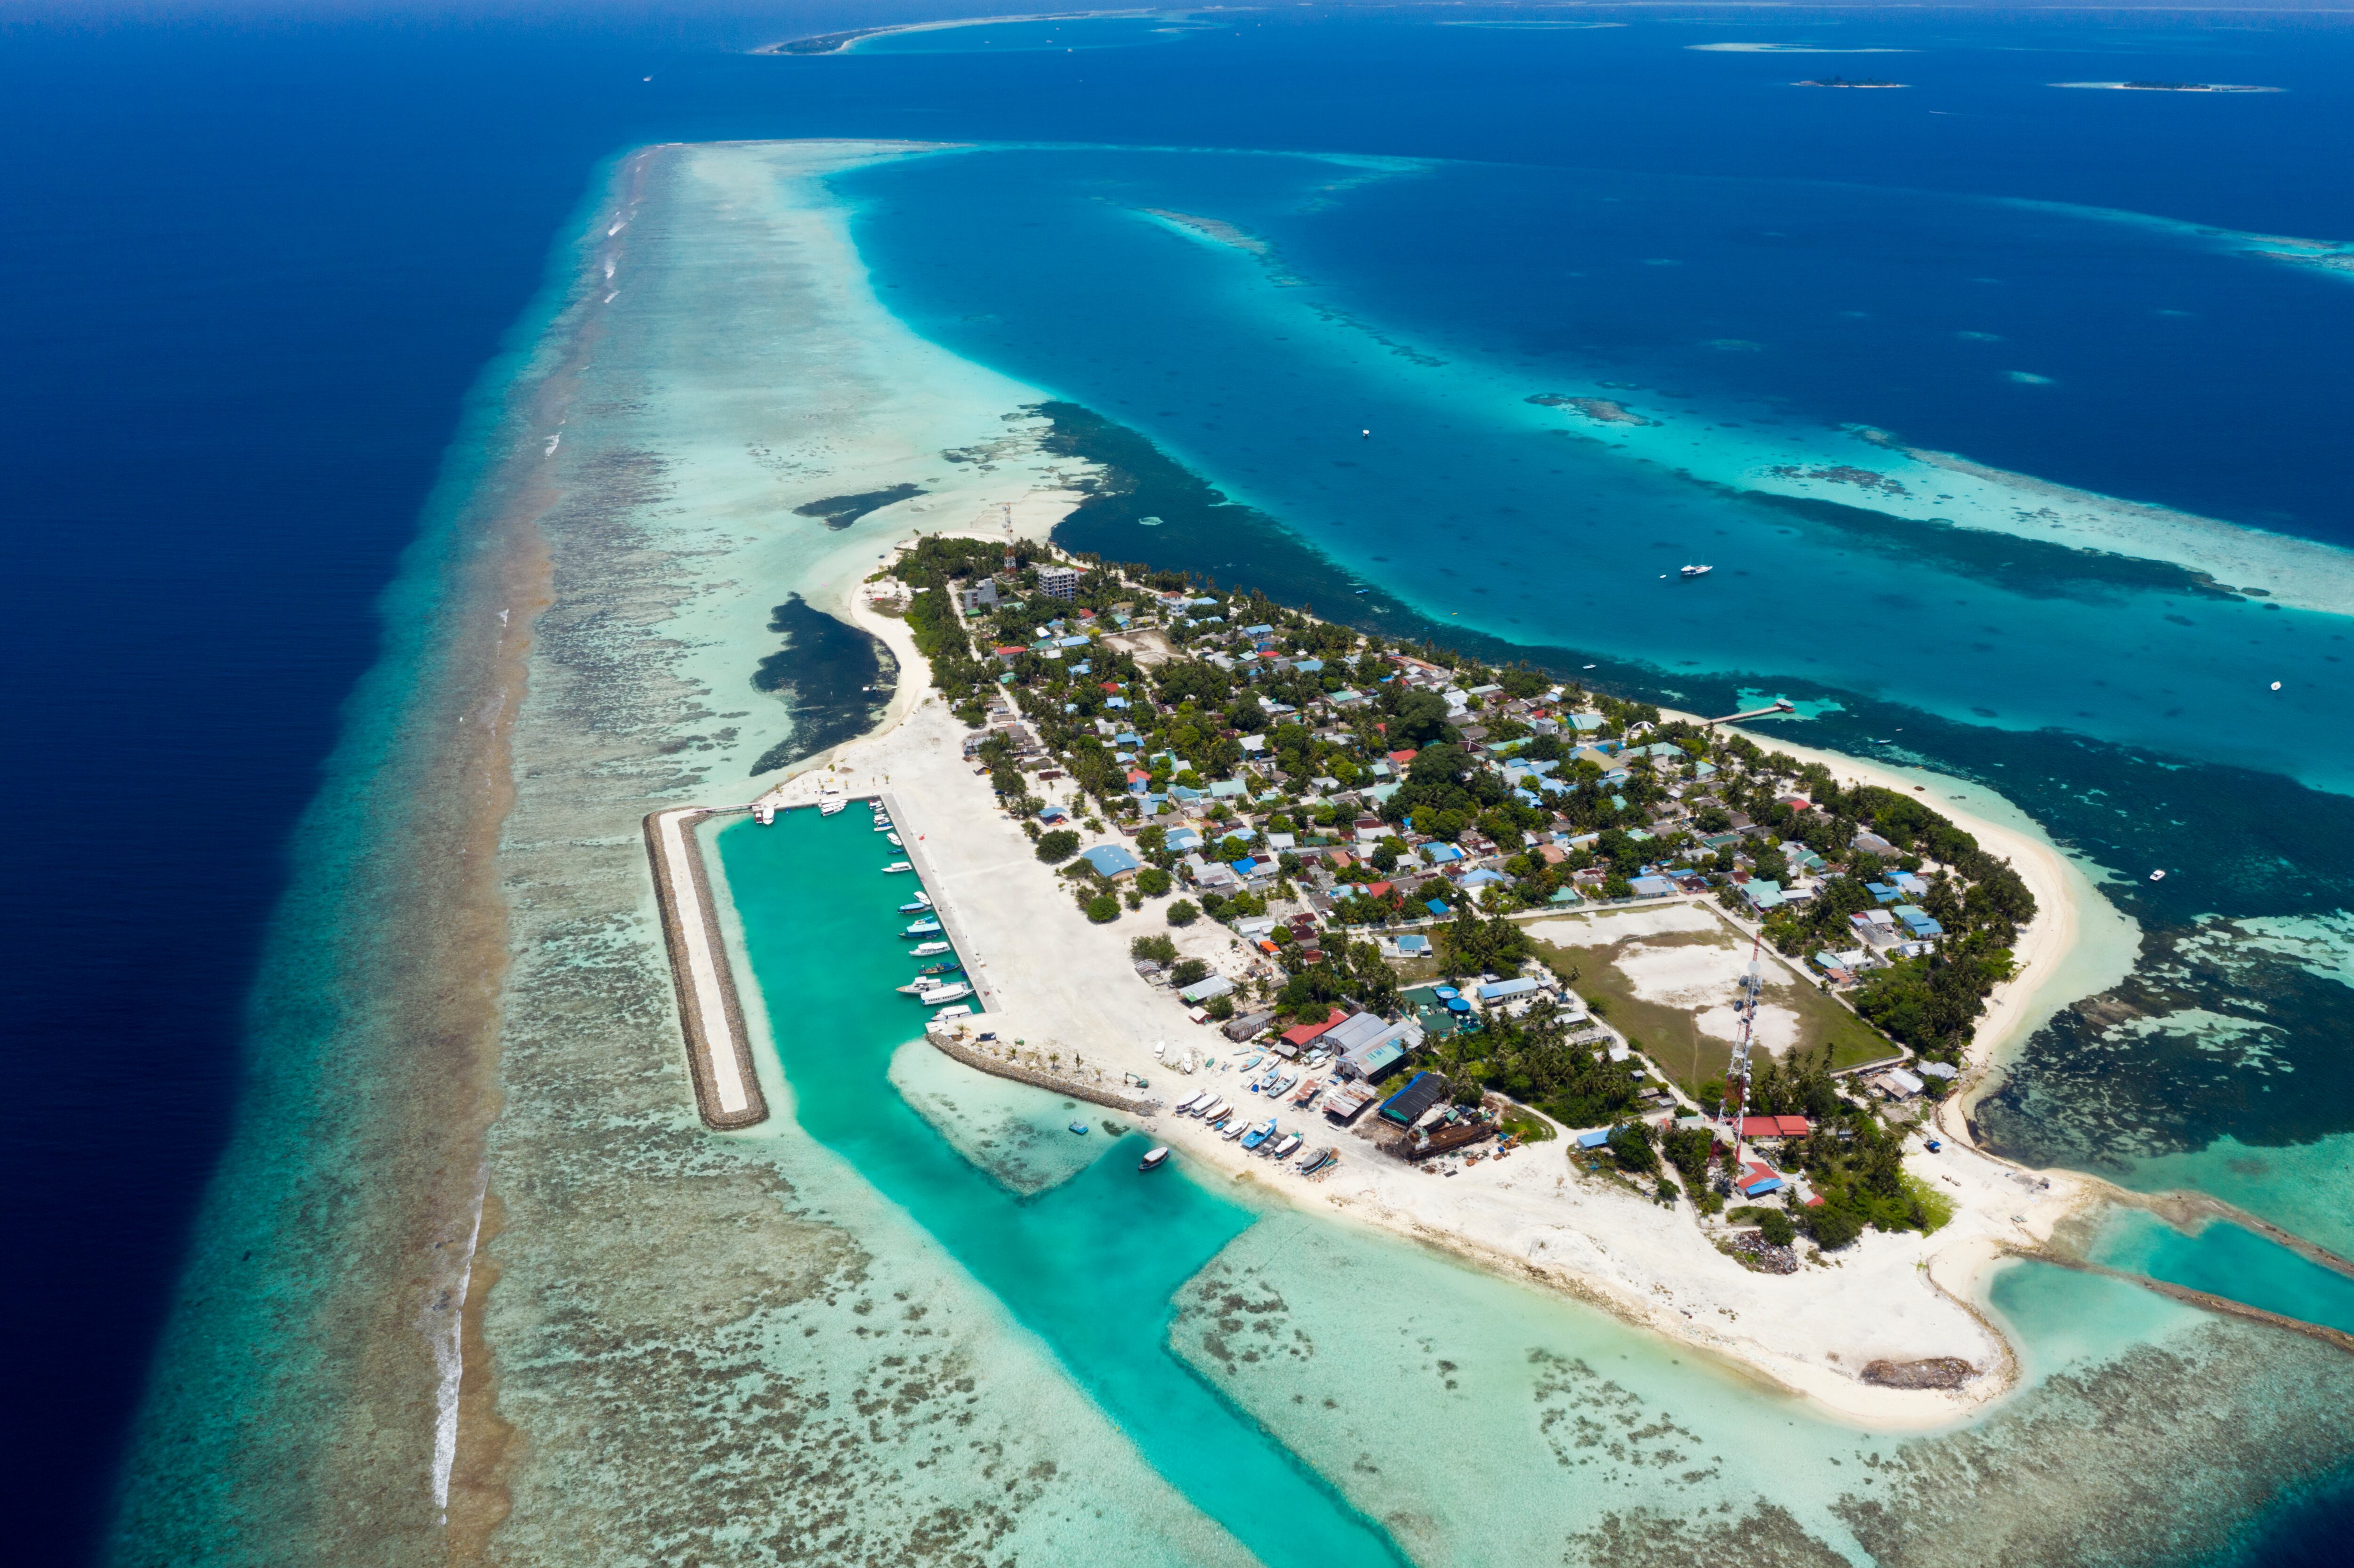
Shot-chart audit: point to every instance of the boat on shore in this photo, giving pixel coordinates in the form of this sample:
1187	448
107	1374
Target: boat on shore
1154	1158
1259	1134
1287	1148
1318	1161
925	950
1212	1110
1235	1129
1187	1105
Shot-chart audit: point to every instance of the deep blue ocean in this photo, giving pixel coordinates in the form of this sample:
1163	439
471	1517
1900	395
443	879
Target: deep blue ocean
253	263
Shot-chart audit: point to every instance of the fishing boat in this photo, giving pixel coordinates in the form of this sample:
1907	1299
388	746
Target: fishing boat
1287	1148
897	866
1698	571
925	950
1154	1158
922	928
1213	1110
955	990
1318	1160
1080	1128
947	968
1187	1105
1235	1129
1259	1134
882	824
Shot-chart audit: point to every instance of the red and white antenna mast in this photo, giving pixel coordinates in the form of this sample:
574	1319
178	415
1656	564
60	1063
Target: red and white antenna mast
1752	983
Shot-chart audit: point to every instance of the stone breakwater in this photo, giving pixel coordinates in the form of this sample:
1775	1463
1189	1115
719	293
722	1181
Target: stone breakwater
1007	1066
719	1054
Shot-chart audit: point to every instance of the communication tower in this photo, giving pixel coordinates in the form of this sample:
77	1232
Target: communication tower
1752	983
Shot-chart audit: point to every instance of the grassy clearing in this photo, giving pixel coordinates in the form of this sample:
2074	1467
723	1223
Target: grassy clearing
1670	1035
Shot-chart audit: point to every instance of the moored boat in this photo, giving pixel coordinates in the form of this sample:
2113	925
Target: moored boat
897	866
955	992
1698	571
922	928
1154	1158
959	1011
893	840
925	950
948	967
1080	1128
831	808
763	812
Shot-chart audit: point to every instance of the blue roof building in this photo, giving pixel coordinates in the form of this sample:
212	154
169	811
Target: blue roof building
1110	860
1917	920
1437	908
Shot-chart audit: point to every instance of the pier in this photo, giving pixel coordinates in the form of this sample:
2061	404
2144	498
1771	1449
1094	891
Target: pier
1779	705
718	1053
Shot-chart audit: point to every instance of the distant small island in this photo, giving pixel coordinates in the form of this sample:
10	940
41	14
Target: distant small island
838	43
2168	86
1601	409
1842	81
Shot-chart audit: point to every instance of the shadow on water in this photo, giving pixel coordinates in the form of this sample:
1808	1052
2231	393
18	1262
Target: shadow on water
836	680
1091	1265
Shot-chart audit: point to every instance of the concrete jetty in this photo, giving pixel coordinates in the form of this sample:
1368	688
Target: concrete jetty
719	1052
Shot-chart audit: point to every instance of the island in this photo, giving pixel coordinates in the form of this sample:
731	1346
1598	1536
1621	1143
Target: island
1601	410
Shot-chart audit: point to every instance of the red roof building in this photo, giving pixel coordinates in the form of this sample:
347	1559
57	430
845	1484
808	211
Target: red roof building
1775	1126
1400	758
1302	1033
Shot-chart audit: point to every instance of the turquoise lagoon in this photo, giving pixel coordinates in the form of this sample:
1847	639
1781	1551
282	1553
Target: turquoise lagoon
1287	1373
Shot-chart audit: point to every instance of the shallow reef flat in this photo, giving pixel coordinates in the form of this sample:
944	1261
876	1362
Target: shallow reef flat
696	1345
1616	1448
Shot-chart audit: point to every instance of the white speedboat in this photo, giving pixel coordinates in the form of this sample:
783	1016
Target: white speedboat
763	812
955	992
893	840
1698	571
